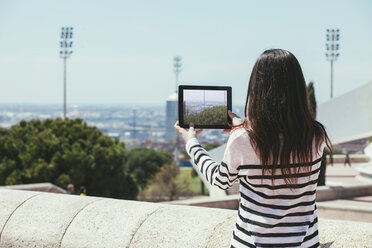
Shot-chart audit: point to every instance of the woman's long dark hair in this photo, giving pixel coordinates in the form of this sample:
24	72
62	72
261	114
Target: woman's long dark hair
281	126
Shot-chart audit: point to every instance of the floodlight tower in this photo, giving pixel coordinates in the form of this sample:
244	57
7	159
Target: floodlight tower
177	67
332	47
64	53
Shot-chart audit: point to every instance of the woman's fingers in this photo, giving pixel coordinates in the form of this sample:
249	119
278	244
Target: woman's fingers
192	127
236	120
231	114
179	129
187	134
176	126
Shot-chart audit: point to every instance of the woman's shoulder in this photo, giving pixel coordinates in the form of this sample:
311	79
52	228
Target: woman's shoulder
239	132
239	137
240	147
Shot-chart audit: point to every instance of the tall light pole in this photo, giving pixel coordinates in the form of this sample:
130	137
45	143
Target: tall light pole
177	67
64	53
134	123
332	47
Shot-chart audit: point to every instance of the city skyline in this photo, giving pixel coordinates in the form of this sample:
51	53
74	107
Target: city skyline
123	51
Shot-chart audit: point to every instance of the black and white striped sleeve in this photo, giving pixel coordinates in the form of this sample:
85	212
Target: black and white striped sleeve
221	174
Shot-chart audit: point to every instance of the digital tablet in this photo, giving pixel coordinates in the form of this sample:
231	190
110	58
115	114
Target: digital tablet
205	106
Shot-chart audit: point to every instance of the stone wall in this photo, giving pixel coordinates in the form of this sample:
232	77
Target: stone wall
34	219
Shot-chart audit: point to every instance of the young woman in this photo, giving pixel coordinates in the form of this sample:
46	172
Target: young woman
275	154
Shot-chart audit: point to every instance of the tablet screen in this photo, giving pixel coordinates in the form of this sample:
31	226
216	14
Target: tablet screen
205	106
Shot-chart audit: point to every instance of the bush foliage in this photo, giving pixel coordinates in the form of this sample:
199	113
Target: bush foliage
144	163
215	115
65	151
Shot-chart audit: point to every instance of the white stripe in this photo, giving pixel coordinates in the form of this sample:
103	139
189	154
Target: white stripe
277	202
244	237
284	191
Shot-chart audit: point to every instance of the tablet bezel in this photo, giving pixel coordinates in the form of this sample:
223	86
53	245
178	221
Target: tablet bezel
228	89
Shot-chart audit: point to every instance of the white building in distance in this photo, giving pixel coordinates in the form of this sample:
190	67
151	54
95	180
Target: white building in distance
171	116
348	117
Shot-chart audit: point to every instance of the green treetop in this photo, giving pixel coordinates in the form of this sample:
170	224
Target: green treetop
312	100
65	151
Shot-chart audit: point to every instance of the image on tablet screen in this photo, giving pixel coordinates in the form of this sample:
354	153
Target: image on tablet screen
205	107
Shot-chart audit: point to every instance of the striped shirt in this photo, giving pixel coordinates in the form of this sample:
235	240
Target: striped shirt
270	214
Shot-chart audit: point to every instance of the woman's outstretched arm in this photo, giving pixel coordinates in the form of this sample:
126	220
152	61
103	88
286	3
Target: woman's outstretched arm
221	174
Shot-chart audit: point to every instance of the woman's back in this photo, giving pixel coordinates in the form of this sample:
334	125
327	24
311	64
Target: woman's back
271	212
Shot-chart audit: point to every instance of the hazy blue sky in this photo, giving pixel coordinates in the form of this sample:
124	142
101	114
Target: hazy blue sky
210	96
123	50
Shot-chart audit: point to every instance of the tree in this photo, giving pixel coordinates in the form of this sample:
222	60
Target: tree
166	184
144	163
323	165
312	100
65	151
312	104
215	115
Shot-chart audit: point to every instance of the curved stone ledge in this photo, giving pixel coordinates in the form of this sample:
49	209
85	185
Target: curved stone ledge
34	219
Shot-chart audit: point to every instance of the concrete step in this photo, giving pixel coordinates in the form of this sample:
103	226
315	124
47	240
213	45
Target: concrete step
356	209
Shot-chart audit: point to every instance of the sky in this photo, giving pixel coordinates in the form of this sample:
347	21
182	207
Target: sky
208	95
123	50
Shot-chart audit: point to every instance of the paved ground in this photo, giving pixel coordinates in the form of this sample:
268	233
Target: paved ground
338	174
363	202
357	208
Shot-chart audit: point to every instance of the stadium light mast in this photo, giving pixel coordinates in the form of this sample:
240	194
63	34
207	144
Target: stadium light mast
64	53
177	67
332	47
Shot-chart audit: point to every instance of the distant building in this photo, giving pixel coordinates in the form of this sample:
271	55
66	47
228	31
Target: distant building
171	116
348	117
